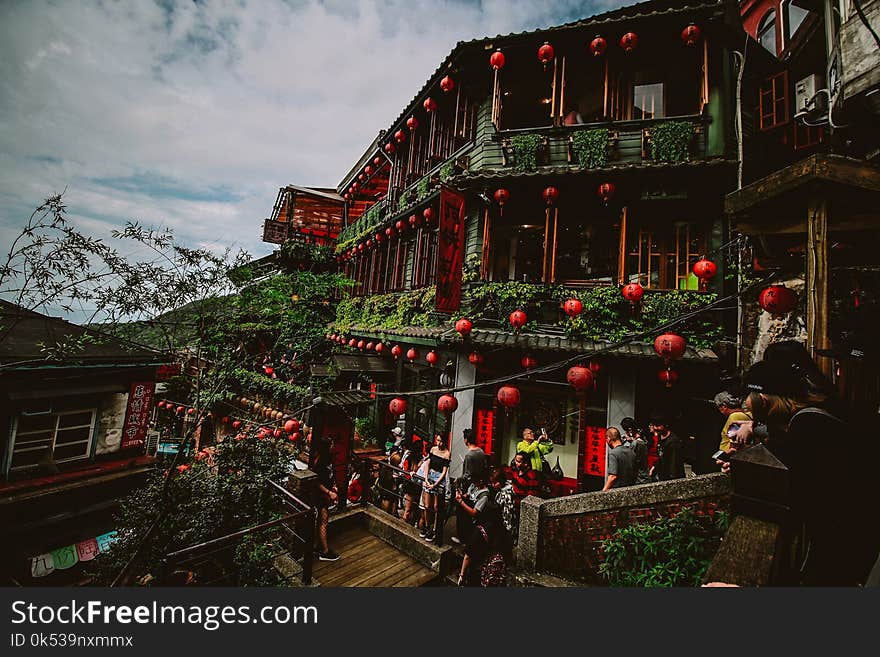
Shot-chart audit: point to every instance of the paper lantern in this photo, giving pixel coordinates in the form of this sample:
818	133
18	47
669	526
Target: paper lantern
400	225
546	53
369	346
573	307
464	326
518	319
690	35
432	358
508	396
380	348
352	343
396	351
633	292
390	148
580	378
447	404
496	60
412	354
667	377
278	433
236	424
447	84
528	361
550	194
412	123
501	196
291	425
705	269
397	406
670	346
430	104
476	359
778	299
361	344
629	41
606	192
400	136
428	214
414	220
377	160
598	46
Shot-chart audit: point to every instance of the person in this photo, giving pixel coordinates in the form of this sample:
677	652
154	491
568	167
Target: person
535	450
572	117
388	485
485	556
475	459
504	500
634	439
621	470
325	493
470	504
730	407
524	480
411	486
435	486
670	464
394	440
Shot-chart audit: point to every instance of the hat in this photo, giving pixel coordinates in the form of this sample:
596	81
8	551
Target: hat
774	378
397	431
658	417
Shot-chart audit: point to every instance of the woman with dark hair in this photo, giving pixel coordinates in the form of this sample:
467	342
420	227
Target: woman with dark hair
325	493
435	486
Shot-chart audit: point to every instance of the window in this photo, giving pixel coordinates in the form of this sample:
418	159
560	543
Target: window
526	91
773	101
794	17
586	248
806	136
425	263
397	265
52	437
662	256
767	32
648	101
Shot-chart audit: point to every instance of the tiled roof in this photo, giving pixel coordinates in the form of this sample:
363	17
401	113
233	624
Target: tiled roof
362	363
404	331
346	398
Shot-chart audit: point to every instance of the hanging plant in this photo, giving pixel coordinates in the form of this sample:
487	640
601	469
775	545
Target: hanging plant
525	152
671	140
591	147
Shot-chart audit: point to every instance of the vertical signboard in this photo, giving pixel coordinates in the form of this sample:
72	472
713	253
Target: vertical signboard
450	250
137	414
594	451
485	423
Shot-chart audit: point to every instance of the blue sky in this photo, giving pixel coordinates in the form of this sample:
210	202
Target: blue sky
191	115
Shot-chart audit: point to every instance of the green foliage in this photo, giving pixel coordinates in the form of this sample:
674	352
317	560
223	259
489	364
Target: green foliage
294	252
525	151
669	552
447	170
256	383
387	311
671	140
495	301
365	427
591	147
423	187
471	268
362	228
253	560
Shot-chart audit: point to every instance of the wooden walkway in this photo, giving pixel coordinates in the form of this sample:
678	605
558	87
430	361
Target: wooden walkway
367	560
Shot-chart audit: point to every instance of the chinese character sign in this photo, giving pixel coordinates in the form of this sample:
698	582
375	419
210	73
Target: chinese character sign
485	423
137	414
450	250
594	451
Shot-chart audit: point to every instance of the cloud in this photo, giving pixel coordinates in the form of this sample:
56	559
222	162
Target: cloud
192	115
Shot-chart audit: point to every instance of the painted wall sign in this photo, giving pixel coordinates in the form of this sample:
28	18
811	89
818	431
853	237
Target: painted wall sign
594	451
485	424
450	251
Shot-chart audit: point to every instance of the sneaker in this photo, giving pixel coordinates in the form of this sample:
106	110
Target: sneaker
329	555
423	532
430	536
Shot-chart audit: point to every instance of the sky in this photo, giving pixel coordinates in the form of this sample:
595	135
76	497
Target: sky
190	115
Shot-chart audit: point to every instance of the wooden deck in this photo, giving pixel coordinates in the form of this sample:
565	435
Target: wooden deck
367	560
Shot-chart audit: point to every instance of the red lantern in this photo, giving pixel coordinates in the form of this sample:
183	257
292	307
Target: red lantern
225	419
380	348
546	53
389	232
670	346
412	354
294	436
778	299
369	244
573	307
400	136
278	433
361	247
704	269
428	214
354	185
412	123
508	396
347	196
518	319
629	41
528	362
397	406
580	378
291	425
668	377
550	194
447	84
396	351
362	177
430	104
606	192
414	220
269	370
598	46
447	404
400	225
476	359
690	35
501	196
368	170
595	367
370	346
352	343
191	411
464	326
377	160
379	237
236	424
180	410
183	468
389	148
633	292
432	358
361	344
496	60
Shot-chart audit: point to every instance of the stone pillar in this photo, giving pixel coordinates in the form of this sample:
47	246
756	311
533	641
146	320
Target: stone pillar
463	418
529	533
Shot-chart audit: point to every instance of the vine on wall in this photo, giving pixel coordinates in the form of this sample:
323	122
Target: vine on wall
525	152
671	140
591	147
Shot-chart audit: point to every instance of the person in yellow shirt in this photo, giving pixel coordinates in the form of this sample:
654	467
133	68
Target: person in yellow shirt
730	407
536	449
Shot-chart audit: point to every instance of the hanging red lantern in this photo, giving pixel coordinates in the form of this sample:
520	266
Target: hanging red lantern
690	35
400	225
528	361
225	419
428	214
464	326
379	237
447	84
667	377
400	136
377	160
705	269
550	194
368	170
389	148
412	123
606	192
580	378
389	232
476	359
508	396
278	433
633	292
778	299
380	348
190	411
412	354
447	404
294	436
397	406
518	319
369	244
573	307
496	60
361	247
629	41
501	196
362	177
180	410
369	346
236	424
347	196
352	343
430	104
396	351
595	367
546	53
291	425
269	370
598	46
361	344
432	358
670	346
414	220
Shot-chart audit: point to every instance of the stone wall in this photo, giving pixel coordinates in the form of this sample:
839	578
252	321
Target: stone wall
563	536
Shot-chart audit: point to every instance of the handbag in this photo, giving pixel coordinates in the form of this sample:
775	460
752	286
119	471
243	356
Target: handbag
557	474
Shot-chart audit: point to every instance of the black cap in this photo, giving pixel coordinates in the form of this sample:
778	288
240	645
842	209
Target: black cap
774	378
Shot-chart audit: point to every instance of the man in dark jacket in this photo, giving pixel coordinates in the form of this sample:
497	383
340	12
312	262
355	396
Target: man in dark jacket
670	464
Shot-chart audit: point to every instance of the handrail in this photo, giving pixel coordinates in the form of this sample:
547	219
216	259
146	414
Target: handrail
222	541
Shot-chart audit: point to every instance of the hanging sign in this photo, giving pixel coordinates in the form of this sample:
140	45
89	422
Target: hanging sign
42	565
594	451
450	250
485	423
137	414
65	557
87	550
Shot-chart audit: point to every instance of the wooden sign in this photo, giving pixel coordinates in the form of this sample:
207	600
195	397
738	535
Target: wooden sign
450	251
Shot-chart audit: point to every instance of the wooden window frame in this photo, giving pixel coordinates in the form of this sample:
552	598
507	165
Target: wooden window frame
671	245
88	442
767	91
808	131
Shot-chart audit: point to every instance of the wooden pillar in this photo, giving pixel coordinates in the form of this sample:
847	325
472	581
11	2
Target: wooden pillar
621	253
817	281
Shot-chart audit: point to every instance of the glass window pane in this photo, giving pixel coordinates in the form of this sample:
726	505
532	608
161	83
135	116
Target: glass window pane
67	452
75	419
28	423
794	16
767	32
648	101
72	435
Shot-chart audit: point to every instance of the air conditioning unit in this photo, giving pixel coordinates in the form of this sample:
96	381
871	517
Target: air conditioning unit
152	443
805	98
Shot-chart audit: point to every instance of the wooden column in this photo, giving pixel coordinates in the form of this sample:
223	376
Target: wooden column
816	287
485	264
621	253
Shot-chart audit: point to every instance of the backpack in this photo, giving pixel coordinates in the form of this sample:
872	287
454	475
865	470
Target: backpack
494	571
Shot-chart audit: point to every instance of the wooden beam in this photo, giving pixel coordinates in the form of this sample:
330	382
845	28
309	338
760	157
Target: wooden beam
817	281
621	253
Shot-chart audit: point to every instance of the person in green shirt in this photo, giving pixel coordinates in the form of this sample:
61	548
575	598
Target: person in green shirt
536	449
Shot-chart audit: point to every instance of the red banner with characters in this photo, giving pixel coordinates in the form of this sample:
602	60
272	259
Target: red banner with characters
450	250
137	414
594	451
485	424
